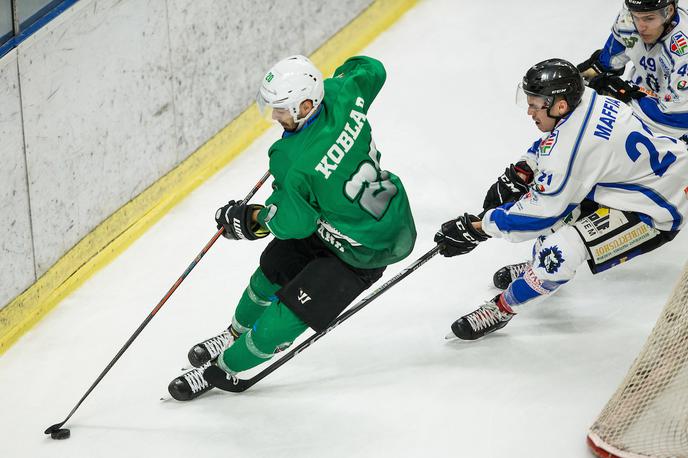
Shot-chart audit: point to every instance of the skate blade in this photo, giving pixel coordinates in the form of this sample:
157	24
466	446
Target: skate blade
450	336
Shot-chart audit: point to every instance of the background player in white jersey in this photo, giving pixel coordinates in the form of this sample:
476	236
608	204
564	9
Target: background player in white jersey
596	149
653	36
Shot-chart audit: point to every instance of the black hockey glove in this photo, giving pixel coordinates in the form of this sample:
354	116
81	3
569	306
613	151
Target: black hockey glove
509	186
613	85
458	236
237	220
593	67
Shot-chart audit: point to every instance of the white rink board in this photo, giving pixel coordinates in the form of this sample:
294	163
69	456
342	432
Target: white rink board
220	51
98	116
116	94
15	244
385	383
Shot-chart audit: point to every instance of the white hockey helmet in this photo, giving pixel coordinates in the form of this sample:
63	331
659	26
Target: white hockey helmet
287	84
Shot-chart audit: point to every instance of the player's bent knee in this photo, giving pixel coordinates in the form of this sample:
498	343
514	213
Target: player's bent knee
263	288
276	330
556	257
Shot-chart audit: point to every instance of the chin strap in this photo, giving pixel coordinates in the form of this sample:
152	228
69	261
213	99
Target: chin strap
559	118
308	118
556	118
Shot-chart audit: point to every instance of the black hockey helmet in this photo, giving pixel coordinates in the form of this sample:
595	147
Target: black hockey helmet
644	6
554	77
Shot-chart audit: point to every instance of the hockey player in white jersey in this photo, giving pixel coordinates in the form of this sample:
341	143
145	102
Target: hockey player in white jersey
596	150
653	36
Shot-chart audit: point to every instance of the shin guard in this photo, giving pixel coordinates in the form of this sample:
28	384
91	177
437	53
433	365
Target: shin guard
276	329
257	296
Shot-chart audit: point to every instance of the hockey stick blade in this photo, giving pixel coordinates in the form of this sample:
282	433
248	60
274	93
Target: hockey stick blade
54	428
218	378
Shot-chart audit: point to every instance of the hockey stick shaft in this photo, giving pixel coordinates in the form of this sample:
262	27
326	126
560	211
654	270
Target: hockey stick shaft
155	310
244	384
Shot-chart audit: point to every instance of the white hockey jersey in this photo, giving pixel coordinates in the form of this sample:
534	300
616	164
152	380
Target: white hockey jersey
662	68
604	152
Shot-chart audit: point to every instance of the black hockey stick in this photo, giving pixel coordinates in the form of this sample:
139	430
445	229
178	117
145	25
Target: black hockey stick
218	378
55	430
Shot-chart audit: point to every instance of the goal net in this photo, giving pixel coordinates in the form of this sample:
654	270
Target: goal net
648	414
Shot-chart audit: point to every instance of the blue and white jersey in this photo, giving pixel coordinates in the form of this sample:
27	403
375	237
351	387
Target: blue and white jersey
602	151
662	68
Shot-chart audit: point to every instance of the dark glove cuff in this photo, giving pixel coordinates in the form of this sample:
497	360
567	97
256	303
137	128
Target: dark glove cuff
256	229
523	168
593	62
478	234
596	65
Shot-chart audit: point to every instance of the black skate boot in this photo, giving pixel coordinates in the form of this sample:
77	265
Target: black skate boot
189	385
486	319
210	349
504	276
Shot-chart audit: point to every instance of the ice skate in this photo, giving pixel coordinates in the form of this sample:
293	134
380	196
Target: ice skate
210	349
504	276
189	385
488	318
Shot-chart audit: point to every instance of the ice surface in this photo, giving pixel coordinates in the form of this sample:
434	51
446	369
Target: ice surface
385	383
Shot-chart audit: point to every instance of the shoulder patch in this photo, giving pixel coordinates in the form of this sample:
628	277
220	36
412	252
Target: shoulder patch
629	42
682	85
679	44
546	146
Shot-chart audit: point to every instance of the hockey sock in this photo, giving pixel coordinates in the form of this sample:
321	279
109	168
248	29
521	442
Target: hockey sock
257	296
526	288
276	328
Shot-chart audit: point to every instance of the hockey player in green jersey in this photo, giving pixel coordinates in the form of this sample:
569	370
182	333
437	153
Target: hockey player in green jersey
338	219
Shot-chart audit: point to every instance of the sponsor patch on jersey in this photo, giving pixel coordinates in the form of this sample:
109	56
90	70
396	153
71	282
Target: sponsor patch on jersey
679	44
547	146
596	224
652	82
682	85
532	198
551	258
685	191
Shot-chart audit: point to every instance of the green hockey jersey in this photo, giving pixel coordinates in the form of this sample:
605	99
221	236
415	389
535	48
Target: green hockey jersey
328	180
